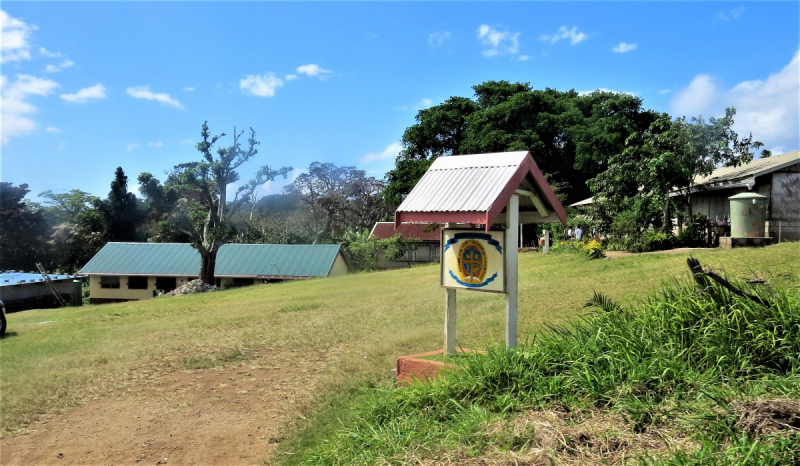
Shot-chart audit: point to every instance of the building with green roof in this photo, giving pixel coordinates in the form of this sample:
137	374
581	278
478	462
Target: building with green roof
134	271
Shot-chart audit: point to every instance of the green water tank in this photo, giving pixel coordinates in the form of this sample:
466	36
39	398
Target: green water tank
748	215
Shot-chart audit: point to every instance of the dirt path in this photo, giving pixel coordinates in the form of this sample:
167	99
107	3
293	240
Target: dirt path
232	416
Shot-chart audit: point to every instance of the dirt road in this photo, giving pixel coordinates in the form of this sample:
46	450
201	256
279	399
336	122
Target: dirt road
232	416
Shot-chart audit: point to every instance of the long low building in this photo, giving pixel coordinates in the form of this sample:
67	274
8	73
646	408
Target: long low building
21	290
776	177
135	271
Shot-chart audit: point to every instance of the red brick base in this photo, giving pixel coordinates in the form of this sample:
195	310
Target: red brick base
412	368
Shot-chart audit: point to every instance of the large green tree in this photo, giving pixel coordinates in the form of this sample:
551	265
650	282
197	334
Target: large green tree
570	135
23	230
203	211
120	211
666	160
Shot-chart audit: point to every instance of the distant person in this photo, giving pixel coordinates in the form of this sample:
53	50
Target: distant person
569	233
578	233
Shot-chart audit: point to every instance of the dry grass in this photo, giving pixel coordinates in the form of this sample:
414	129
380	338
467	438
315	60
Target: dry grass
52	360
559	436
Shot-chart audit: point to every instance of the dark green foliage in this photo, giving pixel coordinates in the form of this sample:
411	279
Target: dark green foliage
120	212
695	231
571	136
23	230
668	156
682	351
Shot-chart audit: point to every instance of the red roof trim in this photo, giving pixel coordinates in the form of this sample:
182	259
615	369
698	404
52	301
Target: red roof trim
439	217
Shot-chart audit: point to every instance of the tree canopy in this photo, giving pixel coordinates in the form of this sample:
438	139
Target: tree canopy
571	136
203	212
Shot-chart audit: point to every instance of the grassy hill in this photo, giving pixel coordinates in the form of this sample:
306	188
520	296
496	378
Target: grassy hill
52	360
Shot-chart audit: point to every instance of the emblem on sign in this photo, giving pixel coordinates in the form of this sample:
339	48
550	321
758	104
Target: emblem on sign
473	260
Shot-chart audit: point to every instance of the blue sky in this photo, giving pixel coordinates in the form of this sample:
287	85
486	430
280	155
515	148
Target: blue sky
91	86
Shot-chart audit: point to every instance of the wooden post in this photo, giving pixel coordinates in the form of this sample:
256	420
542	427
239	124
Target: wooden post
512	253
521	242
450	322
547	241
449	315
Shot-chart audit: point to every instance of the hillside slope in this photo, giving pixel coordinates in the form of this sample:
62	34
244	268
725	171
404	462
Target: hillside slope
53	360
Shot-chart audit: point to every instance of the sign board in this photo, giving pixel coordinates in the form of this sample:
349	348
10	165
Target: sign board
473	260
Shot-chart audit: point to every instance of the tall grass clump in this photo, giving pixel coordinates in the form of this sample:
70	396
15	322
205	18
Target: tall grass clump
688	339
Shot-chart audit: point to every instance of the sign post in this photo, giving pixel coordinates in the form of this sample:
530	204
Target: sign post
511	271
476	189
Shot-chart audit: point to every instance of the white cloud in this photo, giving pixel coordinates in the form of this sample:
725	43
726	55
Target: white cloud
62	146
14	105
56	69
189	89
130	147
156	144
424	103
391	151
14	34
523	57
664	91
98	91
624	47
144	92
730	14
46	53
312	70
767	108
53	129
498	42
437	39
261	86
290	77
575	37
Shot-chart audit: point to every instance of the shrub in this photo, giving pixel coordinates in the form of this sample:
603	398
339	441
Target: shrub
694	232
654	240
686	344
591	248
594	249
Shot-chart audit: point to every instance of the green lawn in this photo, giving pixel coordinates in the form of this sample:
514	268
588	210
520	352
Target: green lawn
51	360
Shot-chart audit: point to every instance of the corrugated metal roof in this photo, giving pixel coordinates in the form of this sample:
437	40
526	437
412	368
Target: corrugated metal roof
145	259
245	260
18	278
476	188
463	183
296	260
751	170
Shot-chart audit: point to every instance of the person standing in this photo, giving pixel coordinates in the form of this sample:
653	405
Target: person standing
569	233
578	233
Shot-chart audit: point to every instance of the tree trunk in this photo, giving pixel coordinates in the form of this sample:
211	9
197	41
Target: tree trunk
208	261
322	233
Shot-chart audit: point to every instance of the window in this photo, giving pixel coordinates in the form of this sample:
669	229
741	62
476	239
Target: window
109	281
242	282
165	284
137	283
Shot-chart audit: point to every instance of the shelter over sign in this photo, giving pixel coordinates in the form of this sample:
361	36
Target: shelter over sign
477	188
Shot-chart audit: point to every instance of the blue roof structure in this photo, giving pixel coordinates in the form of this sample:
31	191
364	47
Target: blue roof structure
19	278
233	260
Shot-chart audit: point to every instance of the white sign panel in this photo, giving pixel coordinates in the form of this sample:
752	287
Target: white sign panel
473	260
